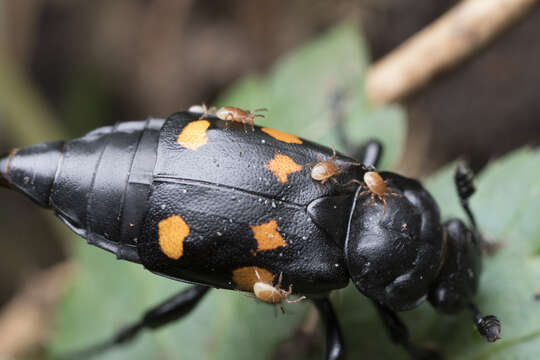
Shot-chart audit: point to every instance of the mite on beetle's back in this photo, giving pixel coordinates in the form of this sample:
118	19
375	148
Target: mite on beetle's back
229	113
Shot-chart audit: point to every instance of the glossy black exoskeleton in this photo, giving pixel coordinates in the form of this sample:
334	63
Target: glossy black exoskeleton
203	202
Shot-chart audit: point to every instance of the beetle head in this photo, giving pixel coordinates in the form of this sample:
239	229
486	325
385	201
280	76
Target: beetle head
394	255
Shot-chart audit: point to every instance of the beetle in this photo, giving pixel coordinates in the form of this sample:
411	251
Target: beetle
200	202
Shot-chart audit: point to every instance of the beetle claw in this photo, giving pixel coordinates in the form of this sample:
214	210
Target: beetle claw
490	328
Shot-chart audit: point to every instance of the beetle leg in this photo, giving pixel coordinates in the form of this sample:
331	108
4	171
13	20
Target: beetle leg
488	326
464	181
370	153
335	347
399	334
168	311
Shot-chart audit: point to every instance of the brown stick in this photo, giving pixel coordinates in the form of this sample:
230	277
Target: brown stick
456	35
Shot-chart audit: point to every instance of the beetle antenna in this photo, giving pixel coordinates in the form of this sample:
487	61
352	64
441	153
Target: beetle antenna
465	188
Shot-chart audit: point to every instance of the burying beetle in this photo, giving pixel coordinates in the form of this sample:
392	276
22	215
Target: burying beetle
194	200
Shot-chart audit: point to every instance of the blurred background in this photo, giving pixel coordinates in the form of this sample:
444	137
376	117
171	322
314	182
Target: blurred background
87	64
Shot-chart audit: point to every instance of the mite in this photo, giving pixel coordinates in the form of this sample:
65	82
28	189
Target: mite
231	113
189	199
325	170
376	187
271	294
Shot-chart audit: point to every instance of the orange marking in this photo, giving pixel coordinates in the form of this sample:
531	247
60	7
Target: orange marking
193	136
282	136
246	277
267	236
281	166
172	232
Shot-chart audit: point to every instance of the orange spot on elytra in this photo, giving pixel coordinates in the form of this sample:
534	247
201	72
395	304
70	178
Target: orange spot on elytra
267	236
281	166
172	232
193	136
246	277
282	136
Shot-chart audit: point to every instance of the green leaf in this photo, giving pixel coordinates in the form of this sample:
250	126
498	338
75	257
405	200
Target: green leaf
107	294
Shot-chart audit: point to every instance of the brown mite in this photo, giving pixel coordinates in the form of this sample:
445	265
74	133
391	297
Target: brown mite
271	294
231	113
325	170
375	184
376	187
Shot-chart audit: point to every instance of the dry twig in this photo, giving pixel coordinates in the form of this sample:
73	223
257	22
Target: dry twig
456	35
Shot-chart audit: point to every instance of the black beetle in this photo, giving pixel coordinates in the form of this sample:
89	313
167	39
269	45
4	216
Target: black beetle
195	199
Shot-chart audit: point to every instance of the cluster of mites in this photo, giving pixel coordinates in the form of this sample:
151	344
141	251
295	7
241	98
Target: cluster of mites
322	171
